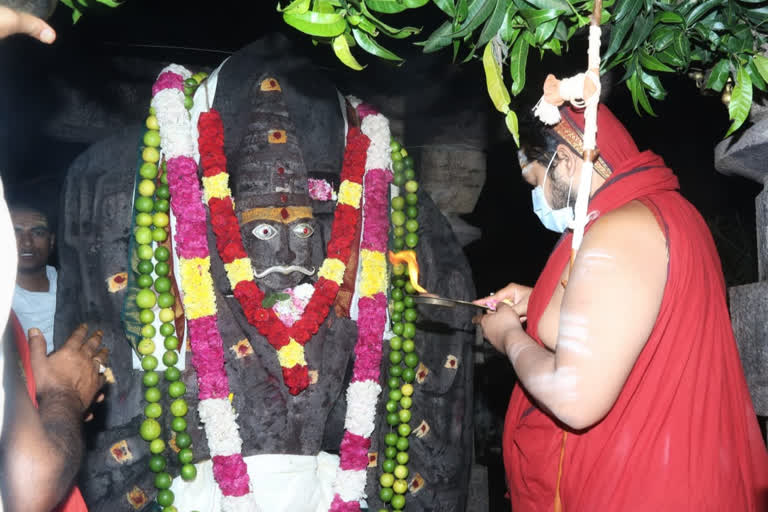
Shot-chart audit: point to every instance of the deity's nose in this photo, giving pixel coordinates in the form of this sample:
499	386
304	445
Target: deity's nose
285	255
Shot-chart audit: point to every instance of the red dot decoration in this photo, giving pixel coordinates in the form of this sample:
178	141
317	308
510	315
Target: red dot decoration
283	198
280	170
284	213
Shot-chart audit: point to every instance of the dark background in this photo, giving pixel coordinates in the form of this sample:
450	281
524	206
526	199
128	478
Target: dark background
513	247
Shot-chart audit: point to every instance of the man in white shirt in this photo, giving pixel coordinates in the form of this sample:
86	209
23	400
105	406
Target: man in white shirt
34	300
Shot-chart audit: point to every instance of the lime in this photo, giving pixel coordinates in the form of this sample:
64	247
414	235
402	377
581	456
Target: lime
156	463
402	458
408	345
143	219
188	472
176	389
162	205
406	402
165	497
396	343
388	466
149	362
407	389
409	330
186	455
163	192
411	240
411	186
151	123
153	410
411	225
144	204
153	394
390	439
398	179
162	284
410	174
162	269
170	508
166	329
152	138
395	316
394	146
396	156
144	266
160	219
146	316
399	282
150	154
412	361
145	281
144	253
409	302
146	346
397	329
397	294
398	203
408	160
412	212
172	374
405	416
162	480
398	244
143	235
387	479
170	358
398	218
162	254
401	472
390	452
409	288
399	231
391	405
179	408
398	306
157	446
398	500
395	370
386	493
149	430
404	429
188	102
171	343
152	111
398	166
183	440
179	424
411	199
393	383
151	379
399	269
146	188
393	419
410	315
148	331
164	177
395	395
395	356
402	444
190	82
165	300
159	235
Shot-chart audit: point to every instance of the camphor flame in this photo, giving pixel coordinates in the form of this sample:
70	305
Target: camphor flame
409	258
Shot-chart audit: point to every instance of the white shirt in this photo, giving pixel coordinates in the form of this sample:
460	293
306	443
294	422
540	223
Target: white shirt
36	309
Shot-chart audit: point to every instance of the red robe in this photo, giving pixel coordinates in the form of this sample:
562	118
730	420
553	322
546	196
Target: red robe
74	500
682	435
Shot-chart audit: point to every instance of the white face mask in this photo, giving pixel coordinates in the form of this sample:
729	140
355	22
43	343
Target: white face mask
555	220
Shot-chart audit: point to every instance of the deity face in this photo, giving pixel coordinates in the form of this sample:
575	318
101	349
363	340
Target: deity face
279	243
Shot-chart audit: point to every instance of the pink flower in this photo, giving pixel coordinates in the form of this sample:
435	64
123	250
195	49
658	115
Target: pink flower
168	80
340	505
232	474
375	210
320	190
354	452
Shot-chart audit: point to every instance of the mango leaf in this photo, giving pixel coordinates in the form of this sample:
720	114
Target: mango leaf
719	75
544	31
652	84
621	26
517	61
741	101
461	11
494	81
761	65
109	3
668	17
626	9
639	98
650	62
700	10
439	39
76	14
402	33
535	17
415	4
272	298
295	7
447	6
512	125
317	24
661	37
640	31
554	45
327	6
341	49
370	45
754	75
559	5
493	25
385	6
669	56
508	32
478	12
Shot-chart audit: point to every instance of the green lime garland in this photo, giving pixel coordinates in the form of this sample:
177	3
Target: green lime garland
152	223
402	356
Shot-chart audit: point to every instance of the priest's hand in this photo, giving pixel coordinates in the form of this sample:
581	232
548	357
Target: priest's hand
502	327
17	22
515	295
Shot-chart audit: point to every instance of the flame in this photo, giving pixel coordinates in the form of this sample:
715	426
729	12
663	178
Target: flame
408	257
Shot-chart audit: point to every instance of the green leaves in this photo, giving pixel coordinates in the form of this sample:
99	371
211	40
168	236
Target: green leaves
741	101
341	49
719	75
368	44
511	121
77	13
273	298
317	24
518	58
494	81
761	65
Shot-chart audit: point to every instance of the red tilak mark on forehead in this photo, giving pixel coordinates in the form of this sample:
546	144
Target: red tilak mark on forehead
280	170
284	213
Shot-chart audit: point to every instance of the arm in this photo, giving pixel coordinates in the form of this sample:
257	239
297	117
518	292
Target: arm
17	22
42	448
608	311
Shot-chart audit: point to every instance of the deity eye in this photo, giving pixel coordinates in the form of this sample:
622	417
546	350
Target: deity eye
303	230
264	232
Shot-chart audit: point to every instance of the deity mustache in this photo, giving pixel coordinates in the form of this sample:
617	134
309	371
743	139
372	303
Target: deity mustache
283	270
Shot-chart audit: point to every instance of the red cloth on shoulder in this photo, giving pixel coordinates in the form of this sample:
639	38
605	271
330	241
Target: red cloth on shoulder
682	434
74	501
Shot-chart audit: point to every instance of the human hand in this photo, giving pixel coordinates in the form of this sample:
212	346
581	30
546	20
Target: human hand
500	326
515	295
17	22
74	368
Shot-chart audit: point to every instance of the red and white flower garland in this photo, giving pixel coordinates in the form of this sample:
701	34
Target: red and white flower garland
364	388
215	410
288	341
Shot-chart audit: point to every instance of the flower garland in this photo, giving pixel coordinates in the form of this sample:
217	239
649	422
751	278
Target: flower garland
364	389
288	341
215	410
